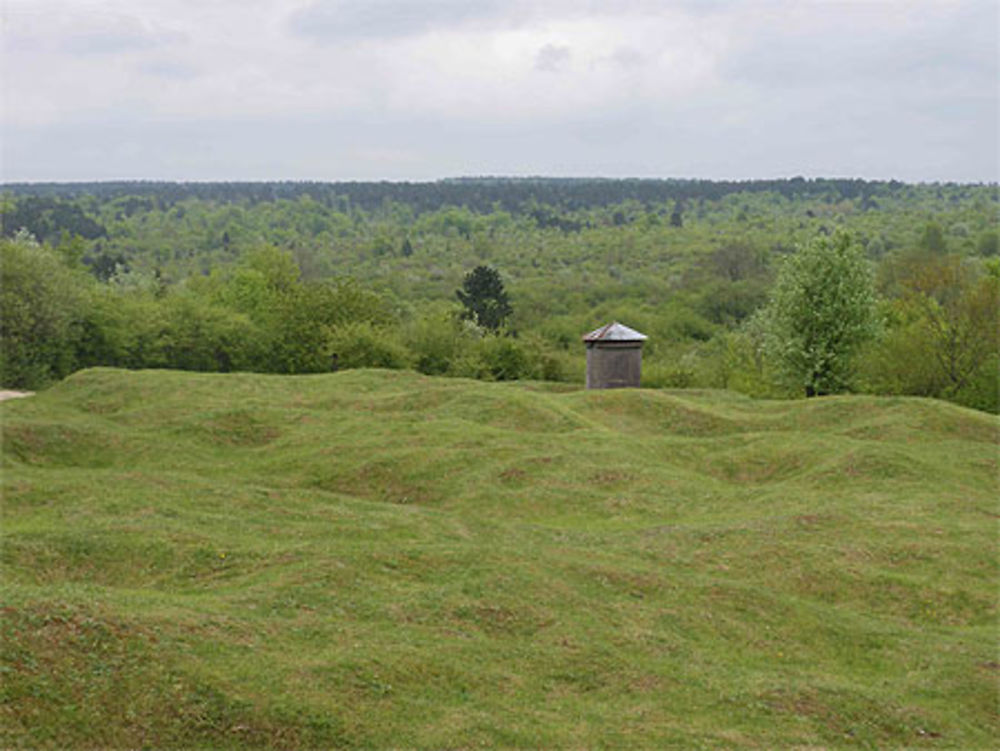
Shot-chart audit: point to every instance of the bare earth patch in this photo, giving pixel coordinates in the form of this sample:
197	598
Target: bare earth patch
14	394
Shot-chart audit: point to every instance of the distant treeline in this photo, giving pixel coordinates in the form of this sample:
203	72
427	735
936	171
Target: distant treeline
480	194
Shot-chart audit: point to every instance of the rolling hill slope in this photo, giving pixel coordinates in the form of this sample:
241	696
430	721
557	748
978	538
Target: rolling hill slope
377	558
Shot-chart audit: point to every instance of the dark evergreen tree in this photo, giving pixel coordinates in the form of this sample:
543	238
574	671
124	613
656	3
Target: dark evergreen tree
484	298
677	218
104	265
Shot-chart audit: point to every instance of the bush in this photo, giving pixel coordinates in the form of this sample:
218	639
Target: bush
730	303
436	342
361	345
901	361
942	339
983	389
505	359
41	305
501	358
200	336
660	375
121	328
132	329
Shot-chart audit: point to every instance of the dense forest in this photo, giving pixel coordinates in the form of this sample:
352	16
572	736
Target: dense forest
311	277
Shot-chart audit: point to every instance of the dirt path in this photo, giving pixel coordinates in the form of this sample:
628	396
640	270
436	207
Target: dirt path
14	394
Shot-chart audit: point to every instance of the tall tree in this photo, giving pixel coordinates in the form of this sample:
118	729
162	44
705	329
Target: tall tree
821	310
41	305
677	217
958	307
932	239
485	298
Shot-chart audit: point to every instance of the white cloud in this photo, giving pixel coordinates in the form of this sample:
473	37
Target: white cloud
334	21
552	57
581	86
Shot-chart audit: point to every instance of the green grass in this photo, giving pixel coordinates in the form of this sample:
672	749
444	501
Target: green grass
380	559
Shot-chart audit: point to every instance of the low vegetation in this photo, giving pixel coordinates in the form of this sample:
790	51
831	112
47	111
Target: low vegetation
497	279
380	558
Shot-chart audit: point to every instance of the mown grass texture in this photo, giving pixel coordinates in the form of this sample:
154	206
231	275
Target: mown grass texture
382	559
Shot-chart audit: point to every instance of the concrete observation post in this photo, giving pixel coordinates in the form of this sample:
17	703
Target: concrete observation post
614	357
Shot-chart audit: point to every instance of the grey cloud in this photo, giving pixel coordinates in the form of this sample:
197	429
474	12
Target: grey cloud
694	137
338	20
914	100
345	20
109	43
820	63
551	57
962	50
169	69
628	57
118	36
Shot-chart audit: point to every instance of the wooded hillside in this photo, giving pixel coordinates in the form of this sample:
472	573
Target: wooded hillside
283	277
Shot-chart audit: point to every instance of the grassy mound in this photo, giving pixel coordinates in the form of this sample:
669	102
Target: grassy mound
375	559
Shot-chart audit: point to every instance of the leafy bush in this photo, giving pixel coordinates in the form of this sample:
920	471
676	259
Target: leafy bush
41	306
506	359
121	327
942	338
200	336
982	391
361	345
436	341
729	303
499	358
133	329
663	375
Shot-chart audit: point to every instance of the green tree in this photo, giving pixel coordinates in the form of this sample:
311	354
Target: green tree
959	307
944	339
41	305
123	326
988	244
485	298
821	310
677	217
932	239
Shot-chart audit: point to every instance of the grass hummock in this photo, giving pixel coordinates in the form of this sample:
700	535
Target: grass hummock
383	559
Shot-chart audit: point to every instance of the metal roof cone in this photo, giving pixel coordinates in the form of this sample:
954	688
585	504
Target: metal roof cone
614	332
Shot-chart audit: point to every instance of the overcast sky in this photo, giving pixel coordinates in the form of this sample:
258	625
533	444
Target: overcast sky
424	89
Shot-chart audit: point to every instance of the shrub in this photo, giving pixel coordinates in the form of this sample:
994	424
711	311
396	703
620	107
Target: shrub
121	328
506	359
661	375
41	305
436	342
361	345
200	336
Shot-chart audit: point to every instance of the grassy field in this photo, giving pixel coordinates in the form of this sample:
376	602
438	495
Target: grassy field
381	559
